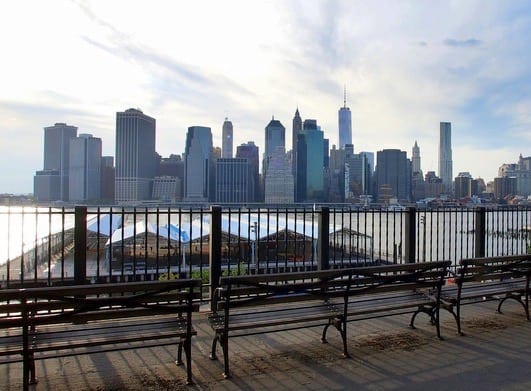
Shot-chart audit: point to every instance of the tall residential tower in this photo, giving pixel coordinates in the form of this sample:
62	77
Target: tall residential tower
445	156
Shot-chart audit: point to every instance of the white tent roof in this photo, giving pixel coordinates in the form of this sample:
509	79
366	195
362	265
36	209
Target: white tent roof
141	228
238	225
244	226
104	227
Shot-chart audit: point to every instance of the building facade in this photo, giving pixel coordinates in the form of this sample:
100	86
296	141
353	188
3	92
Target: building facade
198	164
504	187
173	166
445	156
415	159
226	139
393	175
47	185
310	163
345	124
463	185
433	186
56	159
85	168
166	188
136	158
250	152
278	182
108	175
275	136
233	181
521	171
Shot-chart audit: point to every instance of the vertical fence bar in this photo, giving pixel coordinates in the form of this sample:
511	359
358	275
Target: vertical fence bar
80	245
410	235
480	232
215	249
323	262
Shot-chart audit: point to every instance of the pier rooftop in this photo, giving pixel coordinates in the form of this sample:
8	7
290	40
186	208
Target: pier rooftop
495	354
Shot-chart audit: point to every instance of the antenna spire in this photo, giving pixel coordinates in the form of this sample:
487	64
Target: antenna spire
344	96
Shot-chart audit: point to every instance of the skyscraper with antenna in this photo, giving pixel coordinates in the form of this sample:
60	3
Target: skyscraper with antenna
345	123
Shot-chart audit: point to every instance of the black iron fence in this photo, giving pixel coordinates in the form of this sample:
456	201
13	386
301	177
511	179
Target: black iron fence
96	245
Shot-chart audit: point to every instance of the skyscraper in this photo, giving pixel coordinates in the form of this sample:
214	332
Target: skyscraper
415	159
295	130
278	183
345	124
359	176
227	138
445	156
85	168
310	163
275	136
136	159
393	175
56	162
249	151
198	164
108	174
417	179
463	185
232	180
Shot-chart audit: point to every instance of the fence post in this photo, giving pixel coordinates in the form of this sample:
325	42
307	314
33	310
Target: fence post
80	245
480	232
410	239
323	240
215	250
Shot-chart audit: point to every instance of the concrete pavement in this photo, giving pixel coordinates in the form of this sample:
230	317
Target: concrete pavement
495	354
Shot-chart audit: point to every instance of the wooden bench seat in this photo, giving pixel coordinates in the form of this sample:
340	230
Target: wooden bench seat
51	322
248	305
491	278
397	289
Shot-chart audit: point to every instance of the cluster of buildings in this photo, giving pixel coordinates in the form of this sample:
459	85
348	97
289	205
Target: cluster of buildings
75	170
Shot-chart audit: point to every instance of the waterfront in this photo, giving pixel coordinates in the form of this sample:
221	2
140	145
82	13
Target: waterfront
257	238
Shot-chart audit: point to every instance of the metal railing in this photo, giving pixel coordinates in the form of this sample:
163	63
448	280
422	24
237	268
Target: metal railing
50	246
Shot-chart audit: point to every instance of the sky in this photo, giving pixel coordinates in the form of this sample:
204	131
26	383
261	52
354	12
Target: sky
406	66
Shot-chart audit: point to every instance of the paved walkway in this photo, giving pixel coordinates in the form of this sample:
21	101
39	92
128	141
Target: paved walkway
494	355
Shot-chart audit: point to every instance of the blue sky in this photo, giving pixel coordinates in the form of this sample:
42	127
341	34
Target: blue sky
407	65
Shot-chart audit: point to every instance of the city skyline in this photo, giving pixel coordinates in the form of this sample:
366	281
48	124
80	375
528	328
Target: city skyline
80	62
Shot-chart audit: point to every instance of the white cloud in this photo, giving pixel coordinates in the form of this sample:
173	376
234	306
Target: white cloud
406	66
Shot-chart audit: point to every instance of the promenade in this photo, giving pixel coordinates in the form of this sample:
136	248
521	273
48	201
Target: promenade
495	354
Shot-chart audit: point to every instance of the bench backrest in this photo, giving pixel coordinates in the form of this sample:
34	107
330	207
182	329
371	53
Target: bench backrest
398	277
494	268
81	303
264	289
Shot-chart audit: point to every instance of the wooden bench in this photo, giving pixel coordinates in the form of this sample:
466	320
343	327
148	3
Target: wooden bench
249	305
492	278
263	303
60	321
388	290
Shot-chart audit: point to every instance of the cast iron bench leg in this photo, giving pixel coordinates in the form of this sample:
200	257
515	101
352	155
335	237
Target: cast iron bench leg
179	361
188	353
224	341
213	355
